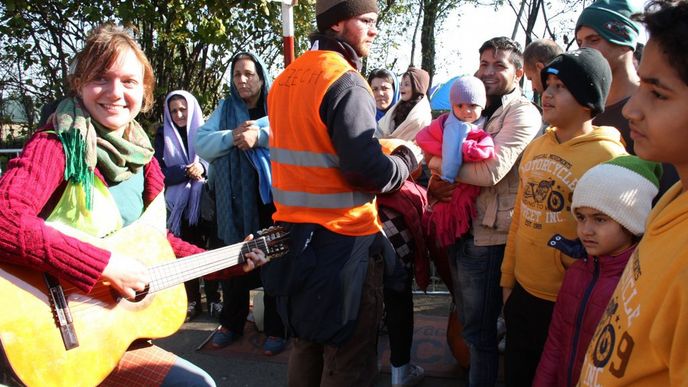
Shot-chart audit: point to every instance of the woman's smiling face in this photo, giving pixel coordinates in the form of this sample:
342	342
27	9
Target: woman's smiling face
114	97
405	88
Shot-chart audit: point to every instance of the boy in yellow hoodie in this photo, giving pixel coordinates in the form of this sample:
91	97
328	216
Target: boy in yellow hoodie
576	86
642	337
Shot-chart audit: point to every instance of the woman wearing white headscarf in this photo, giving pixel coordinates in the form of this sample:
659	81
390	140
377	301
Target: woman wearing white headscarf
184	178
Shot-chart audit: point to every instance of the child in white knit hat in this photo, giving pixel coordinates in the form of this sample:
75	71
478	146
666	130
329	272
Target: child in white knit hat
456	137
611	203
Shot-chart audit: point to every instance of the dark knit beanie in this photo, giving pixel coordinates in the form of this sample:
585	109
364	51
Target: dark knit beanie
420	80
586	75
612	20
331	12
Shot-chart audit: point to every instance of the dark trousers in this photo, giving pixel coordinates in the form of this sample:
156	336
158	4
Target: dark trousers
399	322
236	291
527	321
212	291
198	235
354	363
193	292
212	287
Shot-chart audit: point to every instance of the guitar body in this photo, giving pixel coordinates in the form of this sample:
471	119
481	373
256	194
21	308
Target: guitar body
105	325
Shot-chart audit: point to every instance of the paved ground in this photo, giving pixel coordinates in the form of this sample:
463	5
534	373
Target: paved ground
233	372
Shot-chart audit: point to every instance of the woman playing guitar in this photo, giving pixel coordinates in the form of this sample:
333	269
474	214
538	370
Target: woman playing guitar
92	168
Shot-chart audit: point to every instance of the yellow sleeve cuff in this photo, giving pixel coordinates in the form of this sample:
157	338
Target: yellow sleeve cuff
507	281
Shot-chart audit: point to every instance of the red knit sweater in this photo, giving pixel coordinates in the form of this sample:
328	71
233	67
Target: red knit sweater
29	189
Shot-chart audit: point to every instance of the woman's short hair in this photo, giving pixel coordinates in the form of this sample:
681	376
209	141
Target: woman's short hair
103	46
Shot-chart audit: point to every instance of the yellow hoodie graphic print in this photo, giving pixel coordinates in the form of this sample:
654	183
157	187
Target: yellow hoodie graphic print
548	174
641	339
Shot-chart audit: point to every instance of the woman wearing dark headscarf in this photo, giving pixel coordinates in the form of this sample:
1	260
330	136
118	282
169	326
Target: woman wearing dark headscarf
234	141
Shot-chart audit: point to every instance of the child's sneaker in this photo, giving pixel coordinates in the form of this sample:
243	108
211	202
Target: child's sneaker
407	375
274	345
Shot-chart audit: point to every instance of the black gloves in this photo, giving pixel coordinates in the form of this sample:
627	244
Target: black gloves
407	156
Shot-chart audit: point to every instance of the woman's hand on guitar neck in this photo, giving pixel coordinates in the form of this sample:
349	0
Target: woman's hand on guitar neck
256	257
126	275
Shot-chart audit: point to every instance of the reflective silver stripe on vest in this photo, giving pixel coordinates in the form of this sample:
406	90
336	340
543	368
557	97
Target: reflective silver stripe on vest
311	200
304	158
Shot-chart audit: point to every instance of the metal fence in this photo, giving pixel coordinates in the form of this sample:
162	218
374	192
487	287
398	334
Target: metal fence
436	286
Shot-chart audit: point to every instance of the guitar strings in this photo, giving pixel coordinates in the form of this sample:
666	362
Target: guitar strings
216	257
102	291
165	274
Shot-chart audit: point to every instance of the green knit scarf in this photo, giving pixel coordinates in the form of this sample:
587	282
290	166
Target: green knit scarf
88	144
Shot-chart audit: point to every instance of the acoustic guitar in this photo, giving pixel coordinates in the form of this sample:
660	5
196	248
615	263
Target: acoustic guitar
54	335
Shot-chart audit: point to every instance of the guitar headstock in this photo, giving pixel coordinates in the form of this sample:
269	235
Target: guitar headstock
276	238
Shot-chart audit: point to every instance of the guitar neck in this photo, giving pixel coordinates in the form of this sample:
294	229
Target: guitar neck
173	273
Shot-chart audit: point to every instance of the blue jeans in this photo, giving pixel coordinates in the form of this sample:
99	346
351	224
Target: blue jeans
476	271
184	374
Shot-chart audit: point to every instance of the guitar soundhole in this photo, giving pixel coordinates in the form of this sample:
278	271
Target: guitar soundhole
139	295
142	294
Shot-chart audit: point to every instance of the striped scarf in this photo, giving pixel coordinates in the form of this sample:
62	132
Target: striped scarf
87	145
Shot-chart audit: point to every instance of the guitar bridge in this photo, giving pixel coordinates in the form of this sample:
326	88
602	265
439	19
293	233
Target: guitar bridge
61	312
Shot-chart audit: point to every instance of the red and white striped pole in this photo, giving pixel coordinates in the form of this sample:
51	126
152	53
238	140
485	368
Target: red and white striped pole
288	30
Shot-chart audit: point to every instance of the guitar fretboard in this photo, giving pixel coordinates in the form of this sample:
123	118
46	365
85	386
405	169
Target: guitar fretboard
173	273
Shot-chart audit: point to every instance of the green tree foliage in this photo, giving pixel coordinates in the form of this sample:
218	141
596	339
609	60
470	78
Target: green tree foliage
189	43
37	42
554	18
400	22
396	22
434	15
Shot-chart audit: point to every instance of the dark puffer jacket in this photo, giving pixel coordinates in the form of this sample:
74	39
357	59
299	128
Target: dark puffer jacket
585	292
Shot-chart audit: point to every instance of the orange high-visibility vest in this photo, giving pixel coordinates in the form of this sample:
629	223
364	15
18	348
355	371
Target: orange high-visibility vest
307	184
